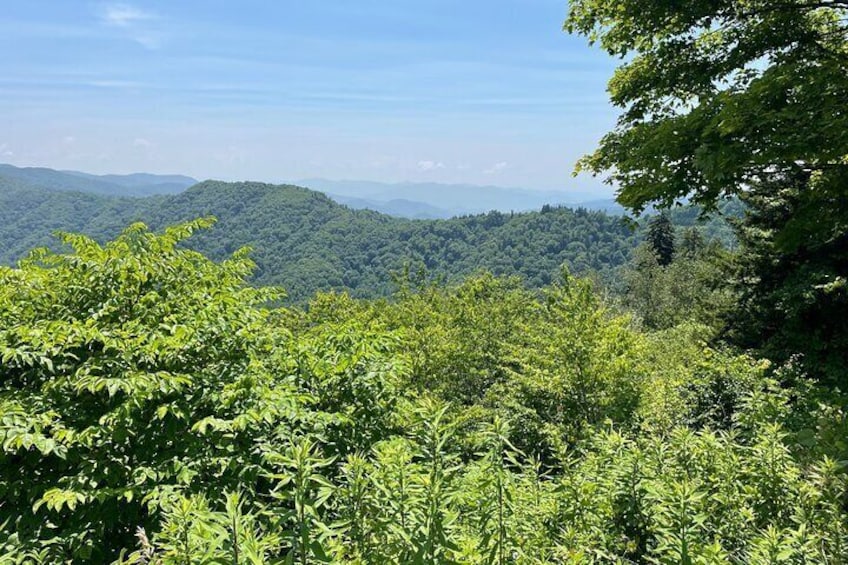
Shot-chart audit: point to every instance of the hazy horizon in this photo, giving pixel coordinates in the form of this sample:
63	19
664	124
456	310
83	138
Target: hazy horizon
576	193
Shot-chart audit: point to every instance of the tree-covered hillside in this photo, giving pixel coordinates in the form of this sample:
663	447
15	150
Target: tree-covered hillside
30	213
305	241
160	405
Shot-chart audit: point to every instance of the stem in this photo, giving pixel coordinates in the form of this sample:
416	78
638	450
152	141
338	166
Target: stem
186	546
304	531
235	542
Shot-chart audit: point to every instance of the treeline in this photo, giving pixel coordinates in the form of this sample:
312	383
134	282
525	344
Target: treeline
157	409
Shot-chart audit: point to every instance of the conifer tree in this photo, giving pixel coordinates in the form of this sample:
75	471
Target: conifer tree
661	238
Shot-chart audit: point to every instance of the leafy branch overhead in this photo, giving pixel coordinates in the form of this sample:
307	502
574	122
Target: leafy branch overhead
741	98
716	96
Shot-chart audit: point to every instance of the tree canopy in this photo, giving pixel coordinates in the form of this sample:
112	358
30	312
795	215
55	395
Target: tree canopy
158	407
305	242
716	95
747	98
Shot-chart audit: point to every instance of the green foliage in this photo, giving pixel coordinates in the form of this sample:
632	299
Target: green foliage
694	286
154	409
661	238
306	242
576	366
792	276
725	98
718	95
193	532
303	491
107	353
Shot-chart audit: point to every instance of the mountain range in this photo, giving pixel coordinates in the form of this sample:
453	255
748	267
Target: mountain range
305	241
435	200
302	239
403	200
139	184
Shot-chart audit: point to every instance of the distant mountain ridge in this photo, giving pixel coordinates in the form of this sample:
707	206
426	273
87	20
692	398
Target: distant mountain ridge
398	207
403	200
305	241
136	185
145	184
438	200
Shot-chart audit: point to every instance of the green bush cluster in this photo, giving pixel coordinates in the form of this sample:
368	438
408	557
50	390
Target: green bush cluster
156	409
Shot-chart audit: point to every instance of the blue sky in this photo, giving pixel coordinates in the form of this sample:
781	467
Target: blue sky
471	91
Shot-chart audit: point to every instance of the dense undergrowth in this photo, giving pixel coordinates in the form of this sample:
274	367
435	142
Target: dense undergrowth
155	409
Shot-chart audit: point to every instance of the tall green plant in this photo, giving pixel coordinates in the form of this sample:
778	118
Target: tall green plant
434	543
110	354
303	492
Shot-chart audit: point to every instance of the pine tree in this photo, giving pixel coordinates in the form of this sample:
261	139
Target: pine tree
661	238
792	278
692	243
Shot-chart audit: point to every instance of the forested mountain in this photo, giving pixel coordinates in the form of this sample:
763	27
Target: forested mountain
305	241
404	200
161	406
29	214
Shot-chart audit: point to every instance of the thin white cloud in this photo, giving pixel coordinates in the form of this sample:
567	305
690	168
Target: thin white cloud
430	165
496	168
141	142
115	84
137	24
123	15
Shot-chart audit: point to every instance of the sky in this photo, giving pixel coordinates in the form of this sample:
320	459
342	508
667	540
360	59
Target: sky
463	91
